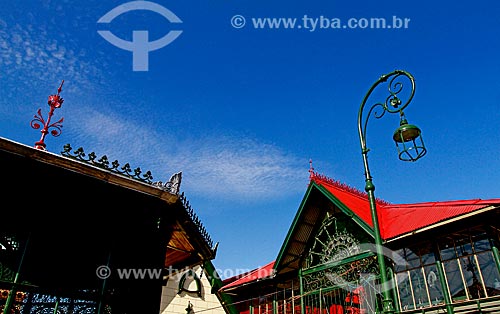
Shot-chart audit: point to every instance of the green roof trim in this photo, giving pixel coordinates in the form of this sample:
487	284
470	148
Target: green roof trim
346	210
292	227
216	283
298	216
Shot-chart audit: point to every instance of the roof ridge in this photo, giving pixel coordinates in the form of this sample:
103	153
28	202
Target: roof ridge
321	178
466	202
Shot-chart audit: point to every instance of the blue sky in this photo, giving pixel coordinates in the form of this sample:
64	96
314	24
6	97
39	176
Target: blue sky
240	111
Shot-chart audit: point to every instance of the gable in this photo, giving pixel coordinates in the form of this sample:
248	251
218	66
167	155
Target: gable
317	204
325	195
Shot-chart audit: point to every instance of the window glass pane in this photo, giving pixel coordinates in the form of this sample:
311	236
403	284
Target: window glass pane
490	273
404	289
428	257
433	284
409	254
447	250
454	278
472	278
426	253
419	288
412	258
413	263
399	267
482	244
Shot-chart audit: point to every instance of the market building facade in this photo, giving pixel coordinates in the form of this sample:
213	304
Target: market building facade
441	257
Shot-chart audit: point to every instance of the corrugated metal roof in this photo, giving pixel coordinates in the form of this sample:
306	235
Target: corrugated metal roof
259	273
399	219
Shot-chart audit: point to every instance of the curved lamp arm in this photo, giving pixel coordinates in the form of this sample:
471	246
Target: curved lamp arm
392	104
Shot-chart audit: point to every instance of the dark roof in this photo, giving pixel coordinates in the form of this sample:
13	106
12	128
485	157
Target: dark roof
80	206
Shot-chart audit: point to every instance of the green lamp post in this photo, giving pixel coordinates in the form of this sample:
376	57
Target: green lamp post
410	147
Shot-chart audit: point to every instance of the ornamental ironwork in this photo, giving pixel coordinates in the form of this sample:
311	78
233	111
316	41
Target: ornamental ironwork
6	274
315	176
331	244
352	272
54	102
337	259
345	276
36	303
172	185
194	218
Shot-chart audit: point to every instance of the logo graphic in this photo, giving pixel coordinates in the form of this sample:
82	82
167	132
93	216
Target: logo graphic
140	44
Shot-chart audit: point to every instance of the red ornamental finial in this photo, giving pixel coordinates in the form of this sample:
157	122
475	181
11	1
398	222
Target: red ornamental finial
54	101
311	169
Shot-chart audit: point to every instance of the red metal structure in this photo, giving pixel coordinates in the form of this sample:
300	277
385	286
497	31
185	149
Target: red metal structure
54	102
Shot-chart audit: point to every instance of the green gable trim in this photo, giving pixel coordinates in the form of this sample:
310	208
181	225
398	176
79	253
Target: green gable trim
292	227
216	283
298	216
346	210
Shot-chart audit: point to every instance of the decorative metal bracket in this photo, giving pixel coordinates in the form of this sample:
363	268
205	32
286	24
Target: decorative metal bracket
173	185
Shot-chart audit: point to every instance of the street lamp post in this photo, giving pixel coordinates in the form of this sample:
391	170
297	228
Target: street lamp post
410	148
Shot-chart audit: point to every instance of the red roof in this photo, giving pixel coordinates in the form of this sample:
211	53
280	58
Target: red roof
399	219
254	275
394	219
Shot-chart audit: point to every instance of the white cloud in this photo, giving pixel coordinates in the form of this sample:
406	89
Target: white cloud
241	168
34	59
216	166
